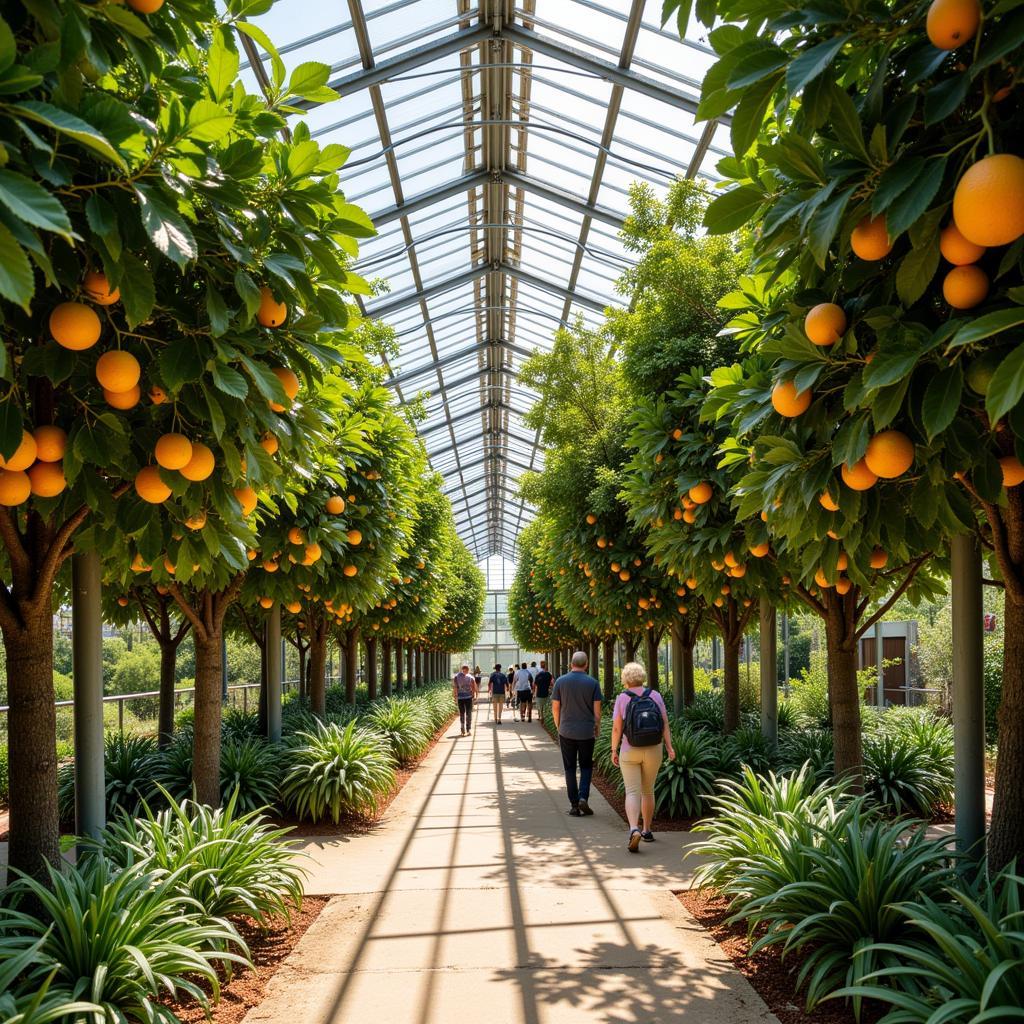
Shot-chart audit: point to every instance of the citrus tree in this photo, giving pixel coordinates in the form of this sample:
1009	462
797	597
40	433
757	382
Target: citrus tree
877	151
170	271
465	589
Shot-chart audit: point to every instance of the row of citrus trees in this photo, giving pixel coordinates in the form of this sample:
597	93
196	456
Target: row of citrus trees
863	404
186	384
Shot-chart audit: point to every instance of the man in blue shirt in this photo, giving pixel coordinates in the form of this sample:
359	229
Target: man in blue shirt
576	710
496	687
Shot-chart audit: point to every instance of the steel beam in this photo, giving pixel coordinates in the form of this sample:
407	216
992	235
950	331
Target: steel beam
454	357
435	195
379	310
769	682
562	198
272	646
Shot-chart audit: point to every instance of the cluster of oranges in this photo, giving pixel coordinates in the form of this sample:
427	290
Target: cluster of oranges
36	467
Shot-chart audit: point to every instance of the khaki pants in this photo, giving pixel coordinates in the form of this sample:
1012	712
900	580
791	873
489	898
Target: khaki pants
639	766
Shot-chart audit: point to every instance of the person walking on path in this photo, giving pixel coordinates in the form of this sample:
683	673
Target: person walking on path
576	709
639	731
542	689
496	687
524	693
465	691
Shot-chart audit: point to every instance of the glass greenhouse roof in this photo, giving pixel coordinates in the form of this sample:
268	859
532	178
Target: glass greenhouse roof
493	145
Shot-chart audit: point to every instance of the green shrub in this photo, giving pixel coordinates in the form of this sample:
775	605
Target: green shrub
844	919
335	770
5	782
969	964
172	766
787	716
250	773
128	765
808	694
405	723
746	746
812	747
707	711
799	653
123	938
750	687
227	861
683	786
236	724
909	771
41	1004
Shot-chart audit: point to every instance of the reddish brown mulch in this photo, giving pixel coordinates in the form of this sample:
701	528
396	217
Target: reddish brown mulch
773	978
269	947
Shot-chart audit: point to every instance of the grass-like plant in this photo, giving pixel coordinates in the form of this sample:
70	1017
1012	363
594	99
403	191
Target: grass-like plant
236	724
42	1003
229	861
128	764
683	786
405	722
172	767
812	747
335	770
118	937
845	919
747	746
252	769
970	965
707	711
902	774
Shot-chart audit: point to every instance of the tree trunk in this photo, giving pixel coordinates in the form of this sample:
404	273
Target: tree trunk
608	656
410	666
206	743
351	663
688	688
419	666
398	666
844	694
316	678
652	641
32	747
385	657
630	642
1006	836
261	715
303	678
371	666
731	682
168	669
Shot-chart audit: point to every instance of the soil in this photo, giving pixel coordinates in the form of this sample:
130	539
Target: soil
269	947
773	978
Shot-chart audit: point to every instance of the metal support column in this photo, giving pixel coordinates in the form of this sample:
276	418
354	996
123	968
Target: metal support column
677	669
272	643
879	667
87	668
968	693
769	682
785	654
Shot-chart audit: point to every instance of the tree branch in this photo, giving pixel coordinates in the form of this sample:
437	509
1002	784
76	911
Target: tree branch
912	571
189	612
150	621
12	540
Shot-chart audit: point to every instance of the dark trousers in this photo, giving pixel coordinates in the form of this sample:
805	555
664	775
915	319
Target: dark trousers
465	712
574	751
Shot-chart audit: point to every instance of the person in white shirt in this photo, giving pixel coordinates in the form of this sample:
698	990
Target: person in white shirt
524	693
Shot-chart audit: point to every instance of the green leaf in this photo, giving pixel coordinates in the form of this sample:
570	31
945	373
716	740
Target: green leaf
943	99
180	363
138	292
217	420
908	207
824	225
889	366
1006	37
222	65
895	180
308	78
916	271
248	291
8	48
67	124
126	20
810	63
11	427
230	381
32	203
258	36
209	121
985	326
942	400
762	63
1007	385
166	228
102	218
733	209
217	310
266	381
353	220
17	282
846	122
303	158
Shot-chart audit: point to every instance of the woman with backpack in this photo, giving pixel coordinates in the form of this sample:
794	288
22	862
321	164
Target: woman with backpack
639	729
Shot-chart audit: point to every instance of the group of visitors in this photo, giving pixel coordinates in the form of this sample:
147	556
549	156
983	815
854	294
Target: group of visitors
640	729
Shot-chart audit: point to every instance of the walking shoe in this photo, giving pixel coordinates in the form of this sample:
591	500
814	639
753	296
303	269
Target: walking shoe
575	812
648	836
634	841
585	808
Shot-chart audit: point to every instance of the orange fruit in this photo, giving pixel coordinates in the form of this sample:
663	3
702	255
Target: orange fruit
157	395
75	325
97	287
269	443
196	521
689	516
988	205
294	607
47	479
602	543
266	602
335	505
700	493
591	519
289	382
118	371
200	465
879	557
350	570
827	502
123	399
138	565
355	538
738	572
890	454
123	601
677	434
624	575
731	560
759	550
23	456
964	287
145	6
825	323
870	239
251	554
950	23
681	609
296	536
149	485
271	312
247	498
1013	471
270	565
14	487
842	562
787	401
843	585
51	443
821	579
173	451
956	249
858	477
677	514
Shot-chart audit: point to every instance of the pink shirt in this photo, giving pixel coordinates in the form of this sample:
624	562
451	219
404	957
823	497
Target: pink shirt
622	702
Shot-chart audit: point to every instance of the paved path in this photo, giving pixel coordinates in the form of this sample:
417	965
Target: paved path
477	899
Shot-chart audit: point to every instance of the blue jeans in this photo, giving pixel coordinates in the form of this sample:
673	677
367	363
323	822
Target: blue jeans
574	751
466	712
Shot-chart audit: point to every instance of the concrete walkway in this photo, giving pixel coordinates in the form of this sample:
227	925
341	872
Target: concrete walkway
477	899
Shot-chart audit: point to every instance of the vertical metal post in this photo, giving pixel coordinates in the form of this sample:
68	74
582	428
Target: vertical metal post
879	667
223	668
272	642
968	693
677	669
769	682
785	654
87	668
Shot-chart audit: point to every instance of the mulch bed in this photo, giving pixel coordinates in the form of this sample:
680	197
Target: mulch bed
269	948
773	978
